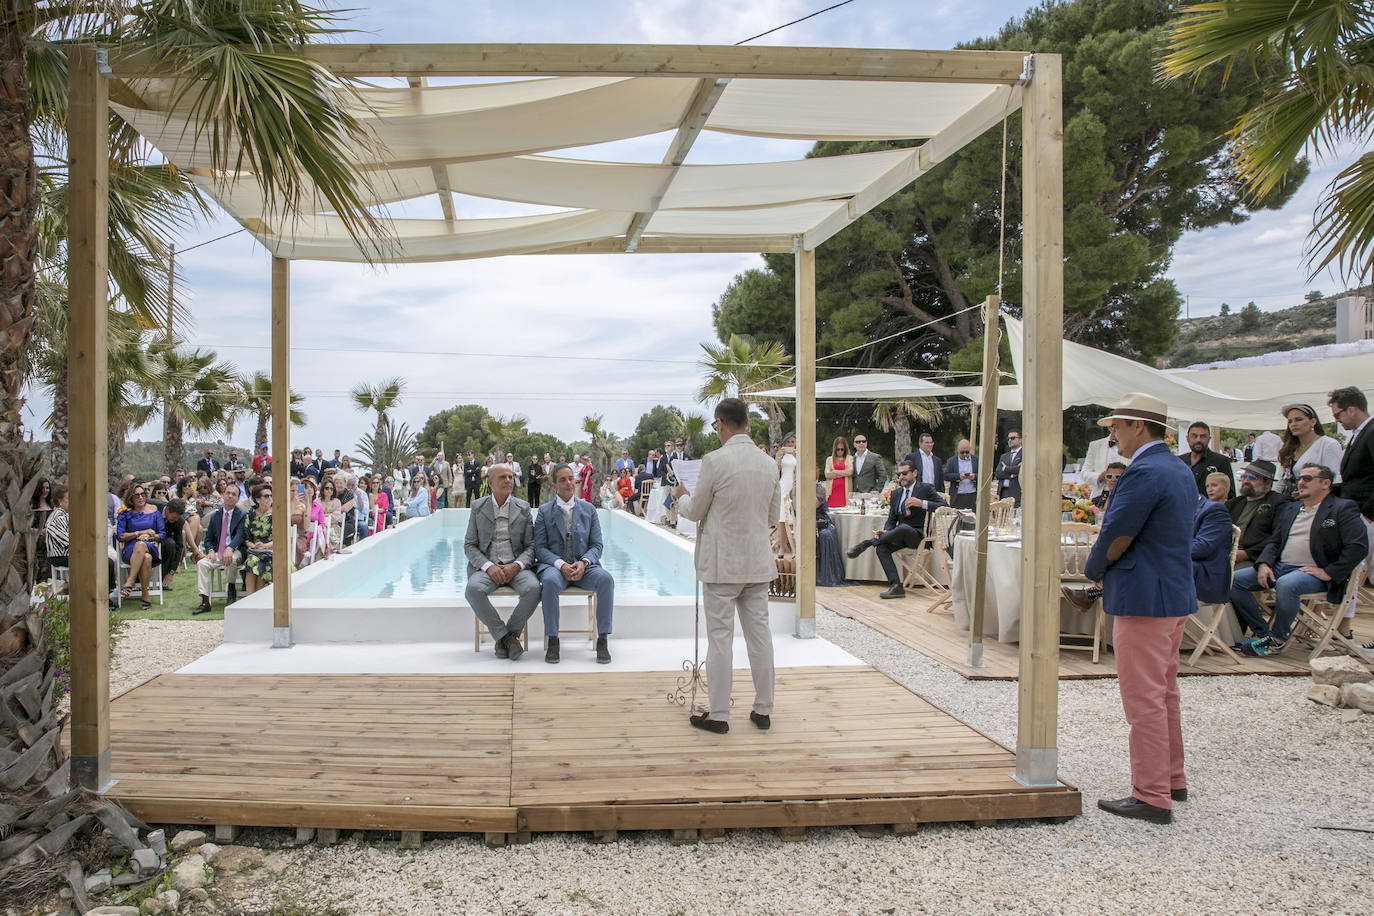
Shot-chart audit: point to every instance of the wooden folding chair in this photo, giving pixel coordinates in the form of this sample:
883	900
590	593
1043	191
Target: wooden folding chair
645	488
1206	638
999	512
1076	540
1319	620
911	563
942	535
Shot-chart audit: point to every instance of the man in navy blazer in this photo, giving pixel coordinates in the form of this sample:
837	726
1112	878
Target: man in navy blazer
221	545
961	473
567	547
1211	552
1143	559
906	523
1318	540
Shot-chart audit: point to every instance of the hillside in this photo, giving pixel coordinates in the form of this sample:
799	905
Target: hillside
1247	331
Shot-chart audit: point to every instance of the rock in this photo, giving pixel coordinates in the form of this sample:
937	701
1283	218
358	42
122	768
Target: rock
1325	694
1339	671
157	841
145	862
189	873
113	910
276	863
99	882
209	852
126	879
237	858
198	894
1358	696
1349	715
187	839
66	893
153	906
171	899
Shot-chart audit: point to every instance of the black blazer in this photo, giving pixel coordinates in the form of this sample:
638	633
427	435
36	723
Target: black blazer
1261	524
1008	474
1357	471
898	514
472	475
914	459
952	474
1339	541
208	465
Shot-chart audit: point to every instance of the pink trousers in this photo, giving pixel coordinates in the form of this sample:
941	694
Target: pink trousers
1146	651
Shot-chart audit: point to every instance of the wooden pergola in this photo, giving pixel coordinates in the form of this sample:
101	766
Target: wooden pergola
1031	82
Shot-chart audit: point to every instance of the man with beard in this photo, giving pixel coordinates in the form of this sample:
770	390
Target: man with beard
1253	510
1201	460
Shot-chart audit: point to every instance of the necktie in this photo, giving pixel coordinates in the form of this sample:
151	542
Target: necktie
225	515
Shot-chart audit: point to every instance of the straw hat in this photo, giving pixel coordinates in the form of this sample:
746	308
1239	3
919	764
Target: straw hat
1135	406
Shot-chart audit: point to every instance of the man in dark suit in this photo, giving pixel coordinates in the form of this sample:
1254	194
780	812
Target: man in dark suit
1317	541
208	464
1211	552
634	502
1201	460
927	465
1142	559
653	465
905	528
1008	472
1248	453
1253	511
567	547
221	545
961	474
233	464
1351	409
472	479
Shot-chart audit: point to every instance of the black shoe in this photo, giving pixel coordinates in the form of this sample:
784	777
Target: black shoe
233	594
858	548
1179	794
513	648
763	722
603	653
166	588
551	653
711	725
895	591
501	648
1130	806
203	608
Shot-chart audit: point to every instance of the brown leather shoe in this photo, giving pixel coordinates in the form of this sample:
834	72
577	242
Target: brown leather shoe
1130	806
1082	597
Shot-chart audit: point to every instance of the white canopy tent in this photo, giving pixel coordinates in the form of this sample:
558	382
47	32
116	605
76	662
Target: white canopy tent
867	386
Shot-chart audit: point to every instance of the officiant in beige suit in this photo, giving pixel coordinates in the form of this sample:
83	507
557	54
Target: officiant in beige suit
735	500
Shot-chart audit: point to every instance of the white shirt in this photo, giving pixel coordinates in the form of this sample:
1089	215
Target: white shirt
859	461
1267	446
965	467
928	474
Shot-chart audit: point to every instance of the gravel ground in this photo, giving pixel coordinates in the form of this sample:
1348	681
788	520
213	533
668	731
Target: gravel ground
1265	766
147	648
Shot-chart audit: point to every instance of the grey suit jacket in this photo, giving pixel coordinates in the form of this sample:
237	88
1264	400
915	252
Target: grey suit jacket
482	526
735	501
871	477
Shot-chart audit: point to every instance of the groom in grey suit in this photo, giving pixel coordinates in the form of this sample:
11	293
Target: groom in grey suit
500	551
735	500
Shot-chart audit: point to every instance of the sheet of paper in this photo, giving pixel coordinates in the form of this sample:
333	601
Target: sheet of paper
687	472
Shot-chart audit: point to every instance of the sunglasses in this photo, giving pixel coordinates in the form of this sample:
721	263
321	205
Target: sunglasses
138	494
1249	477
1309	477
1111	477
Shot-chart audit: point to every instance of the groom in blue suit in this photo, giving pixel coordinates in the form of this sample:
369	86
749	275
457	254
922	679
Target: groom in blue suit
567	547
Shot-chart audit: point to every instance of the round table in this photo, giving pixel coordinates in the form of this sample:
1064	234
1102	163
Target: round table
852	527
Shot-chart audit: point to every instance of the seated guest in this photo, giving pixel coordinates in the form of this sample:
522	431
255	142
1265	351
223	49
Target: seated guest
173	540
363	506
185	490
1318	539
417	506
307	515
346	491
389	488
905	528
1253	511
610	494
1218	486
257	542
961	473
56	534
243	483
625	486
829	562
157	495
567	547
139	530
500	549
1211	552
331	509
1107	480
645	475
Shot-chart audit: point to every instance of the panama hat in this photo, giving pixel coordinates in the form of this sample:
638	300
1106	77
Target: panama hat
1136	406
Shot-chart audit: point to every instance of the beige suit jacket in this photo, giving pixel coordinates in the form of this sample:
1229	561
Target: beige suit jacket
735	501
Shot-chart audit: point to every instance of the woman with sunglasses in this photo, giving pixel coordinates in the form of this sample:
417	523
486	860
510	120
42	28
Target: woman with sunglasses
257	546
1304	442
139	531
306	515
331	510
379	505
185	490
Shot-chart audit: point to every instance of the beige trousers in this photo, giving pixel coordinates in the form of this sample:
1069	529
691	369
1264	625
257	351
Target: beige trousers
208	564
721	602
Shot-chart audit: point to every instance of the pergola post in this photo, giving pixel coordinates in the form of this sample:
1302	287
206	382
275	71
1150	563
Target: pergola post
987	443
88	163
1042	204
805	535
283	551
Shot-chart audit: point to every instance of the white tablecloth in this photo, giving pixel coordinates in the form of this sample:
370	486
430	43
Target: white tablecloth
655	512
850	529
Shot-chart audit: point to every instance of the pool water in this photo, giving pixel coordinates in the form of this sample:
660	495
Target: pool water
436	565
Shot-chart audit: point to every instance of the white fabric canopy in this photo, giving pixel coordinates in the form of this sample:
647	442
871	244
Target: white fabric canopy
865	386
1304	376
483	140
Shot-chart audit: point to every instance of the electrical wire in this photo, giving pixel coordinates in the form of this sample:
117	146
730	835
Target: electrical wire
795	21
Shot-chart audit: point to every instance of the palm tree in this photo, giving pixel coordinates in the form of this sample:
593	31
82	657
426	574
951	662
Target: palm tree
603	444
503	431
381	398
255	396
741	368
1314	57
197	393
897	413
135	383
276	114
692	427
380	453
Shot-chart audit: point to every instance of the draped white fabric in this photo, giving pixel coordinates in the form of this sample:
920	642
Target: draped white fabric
488	140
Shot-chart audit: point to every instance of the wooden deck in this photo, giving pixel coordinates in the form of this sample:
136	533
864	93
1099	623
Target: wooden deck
936	637
509	754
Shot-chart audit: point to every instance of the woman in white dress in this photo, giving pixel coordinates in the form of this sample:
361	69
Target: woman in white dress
1305	442
787	481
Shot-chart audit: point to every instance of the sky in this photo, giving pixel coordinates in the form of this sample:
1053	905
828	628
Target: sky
555	338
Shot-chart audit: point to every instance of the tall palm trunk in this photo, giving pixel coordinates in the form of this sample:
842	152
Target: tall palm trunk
774	421
263	418
381	427
901	425
172	438
18	227
57	455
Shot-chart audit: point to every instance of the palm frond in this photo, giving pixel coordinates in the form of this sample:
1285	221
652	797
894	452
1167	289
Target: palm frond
1343	230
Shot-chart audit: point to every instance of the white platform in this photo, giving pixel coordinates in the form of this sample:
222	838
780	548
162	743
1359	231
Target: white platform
664	655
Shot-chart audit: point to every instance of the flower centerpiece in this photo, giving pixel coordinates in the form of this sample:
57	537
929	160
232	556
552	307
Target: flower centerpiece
1075	504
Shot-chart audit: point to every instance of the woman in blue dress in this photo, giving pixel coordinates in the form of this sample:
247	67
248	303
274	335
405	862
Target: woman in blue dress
139	531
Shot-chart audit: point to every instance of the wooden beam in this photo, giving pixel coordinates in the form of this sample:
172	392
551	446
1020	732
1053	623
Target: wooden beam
440	171
1042	205
689	127
696	61
987	444
283	551
805	535
88	172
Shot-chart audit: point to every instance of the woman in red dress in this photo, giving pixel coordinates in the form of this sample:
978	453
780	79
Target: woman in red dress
586	479
839	470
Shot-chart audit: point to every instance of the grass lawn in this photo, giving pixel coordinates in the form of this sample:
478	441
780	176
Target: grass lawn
176	604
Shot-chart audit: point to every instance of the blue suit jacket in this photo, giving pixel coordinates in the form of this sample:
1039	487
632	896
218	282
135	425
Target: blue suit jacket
550	534
1212	551
1153	504
210	542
